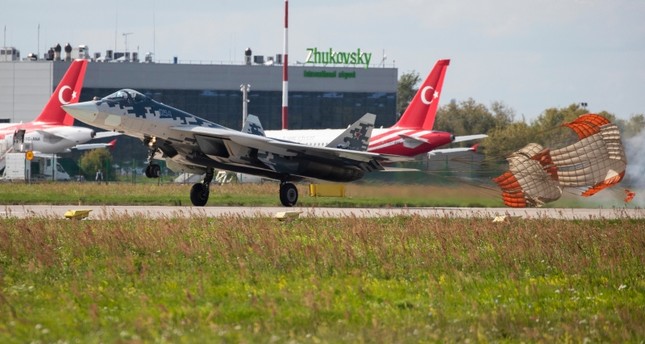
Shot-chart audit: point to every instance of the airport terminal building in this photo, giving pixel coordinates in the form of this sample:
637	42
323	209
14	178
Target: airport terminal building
321	95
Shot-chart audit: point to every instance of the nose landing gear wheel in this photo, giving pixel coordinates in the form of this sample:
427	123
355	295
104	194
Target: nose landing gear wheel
153	171
288	194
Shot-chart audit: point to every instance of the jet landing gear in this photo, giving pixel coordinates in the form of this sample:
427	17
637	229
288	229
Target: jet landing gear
200	191
152	170
288	194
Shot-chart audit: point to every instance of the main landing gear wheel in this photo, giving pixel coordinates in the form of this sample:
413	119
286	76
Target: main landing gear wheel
199	194
200	191
153	171
288	194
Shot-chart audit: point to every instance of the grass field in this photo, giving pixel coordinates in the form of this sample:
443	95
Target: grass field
357	195
234	279
401	279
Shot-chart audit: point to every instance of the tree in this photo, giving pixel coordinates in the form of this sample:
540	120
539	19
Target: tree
503	114
406	89
632	127
95	159
503	141
549	129
469	117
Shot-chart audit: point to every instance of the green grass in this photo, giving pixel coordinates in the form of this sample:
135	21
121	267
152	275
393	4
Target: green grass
400	279
239	194
357	195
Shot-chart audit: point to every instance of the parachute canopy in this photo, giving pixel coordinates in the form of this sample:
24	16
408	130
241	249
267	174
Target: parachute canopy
537	175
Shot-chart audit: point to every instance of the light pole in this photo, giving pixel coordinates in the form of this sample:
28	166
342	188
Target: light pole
245	88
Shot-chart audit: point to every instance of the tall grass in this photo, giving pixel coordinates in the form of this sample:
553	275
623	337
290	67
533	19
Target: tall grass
400	279
266	194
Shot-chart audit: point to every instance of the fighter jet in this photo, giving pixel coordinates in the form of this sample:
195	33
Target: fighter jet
192	144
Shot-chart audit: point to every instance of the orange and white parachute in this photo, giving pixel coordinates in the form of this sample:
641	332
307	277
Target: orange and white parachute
537	175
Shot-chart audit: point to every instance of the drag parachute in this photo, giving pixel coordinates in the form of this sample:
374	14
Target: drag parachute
537	174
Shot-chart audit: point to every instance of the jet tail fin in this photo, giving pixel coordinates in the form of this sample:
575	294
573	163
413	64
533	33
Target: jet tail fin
68	91
356	136
253	126
421	112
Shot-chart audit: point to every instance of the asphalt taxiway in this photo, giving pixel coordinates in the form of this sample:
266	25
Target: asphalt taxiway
107	212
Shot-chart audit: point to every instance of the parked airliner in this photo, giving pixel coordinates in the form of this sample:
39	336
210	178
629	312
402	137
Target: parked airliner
412	135
52	131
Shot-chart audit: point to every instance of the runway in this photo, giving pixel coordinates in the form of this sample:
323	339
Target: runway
107	212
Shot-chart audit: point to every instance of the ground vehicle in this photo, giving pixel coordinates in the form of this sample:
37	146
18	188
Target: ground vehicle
41	167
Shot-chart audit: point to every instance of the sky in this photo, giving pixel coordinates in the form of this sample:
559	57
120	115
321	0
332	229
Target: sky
530	55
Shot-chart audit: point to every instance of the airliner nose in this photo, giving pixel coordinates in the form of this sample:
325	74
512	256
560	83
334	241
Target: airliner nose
85	112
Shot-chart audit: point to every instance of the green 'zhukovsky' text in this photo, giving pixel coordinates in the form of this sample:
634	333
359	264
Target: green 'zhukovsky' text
330	56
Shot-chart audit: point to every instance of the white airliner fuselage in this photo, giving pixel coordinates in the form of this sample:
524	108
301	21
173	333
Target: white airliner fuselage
411	136
46	139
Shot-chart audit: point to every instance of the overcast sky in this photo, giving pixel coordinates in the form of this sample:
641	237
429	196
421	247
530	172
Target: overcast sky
530	55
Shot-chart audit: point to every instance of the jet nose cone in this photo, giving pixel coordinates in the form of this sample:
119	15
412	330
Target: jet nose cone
85	112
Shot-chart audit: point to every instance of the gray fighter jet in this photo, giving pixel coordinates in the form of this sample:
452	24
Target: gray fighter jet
192	144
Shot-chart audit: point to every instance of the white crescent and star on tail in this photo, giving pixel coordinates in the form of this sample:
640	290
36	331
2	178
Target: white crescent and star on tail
61	97
424	97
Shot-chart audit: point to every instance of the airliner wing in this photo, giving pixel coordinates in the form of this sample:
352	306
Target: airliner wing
87	146
465	138
104	134
472	148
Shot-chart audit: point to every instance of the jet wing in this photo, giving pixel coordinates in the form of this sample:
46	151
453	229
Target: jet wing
285	148
241	147
362	156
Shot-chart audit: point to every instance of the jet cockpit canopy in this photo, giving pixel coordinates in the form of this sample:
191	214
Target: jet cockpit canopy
126	94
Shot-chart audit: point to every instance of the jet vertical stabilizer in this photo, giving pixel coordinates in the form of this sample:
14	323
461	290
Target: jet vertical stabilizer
253	126
356	136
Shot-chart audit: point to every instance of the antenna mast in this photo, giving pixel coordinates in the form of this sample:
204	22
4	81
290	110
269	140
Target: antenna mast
125	36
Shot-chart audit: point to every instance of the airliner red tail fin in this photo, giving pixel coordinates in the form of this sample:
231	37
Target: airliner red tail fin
67	92
422	110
